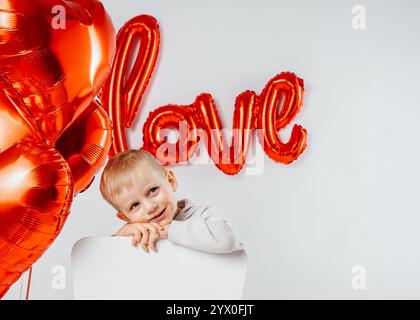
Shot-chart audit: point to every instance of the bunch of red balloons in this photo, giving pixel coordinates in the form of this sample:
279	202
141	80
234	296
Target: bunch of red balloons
54	137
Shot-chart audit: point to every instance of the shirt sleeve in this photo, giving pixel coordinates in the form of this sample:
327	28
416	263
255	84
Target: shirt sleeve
205	230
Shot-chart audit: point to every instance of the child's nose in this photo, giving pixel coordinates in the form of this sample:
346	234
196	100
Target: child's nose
151	207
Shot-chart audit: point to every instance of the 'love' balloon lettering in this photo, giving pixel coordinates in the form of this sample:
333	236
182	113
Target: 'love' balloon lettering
270	111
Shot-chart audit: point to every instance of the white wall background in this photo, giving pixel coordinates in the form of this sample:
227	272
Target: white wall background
350	199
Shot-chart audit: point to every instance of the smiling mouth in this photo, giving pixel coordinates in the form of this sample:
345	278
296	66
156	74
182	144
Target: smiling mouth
159	215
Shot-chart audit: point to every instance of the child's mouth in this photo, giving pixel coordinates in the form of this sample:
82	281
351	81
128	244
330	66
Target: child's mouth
159	217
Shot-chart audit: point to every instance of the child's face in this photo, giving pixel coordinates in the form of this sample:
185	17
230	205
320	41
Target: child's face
151	200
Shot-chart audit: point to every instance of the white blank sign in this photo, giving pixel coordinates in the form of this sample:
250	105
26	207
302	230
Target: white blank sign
111	268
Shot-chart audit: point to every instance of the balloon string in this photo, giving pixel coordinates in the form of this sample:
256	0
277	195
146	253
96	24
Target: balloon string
21	288
29	283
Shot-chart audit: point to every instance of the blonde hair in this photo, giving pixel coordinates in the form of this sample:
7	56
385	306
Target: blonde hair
121	172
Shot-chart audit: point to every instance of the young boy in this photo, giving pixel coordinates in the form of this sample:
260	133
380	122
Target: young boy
142	191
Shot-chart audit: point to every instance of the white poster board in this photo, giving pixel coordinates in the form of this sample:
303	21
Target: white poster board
111	268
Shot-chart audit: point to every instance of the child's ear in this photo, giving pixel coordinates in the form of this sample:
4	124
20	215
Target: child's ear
172	180
122	217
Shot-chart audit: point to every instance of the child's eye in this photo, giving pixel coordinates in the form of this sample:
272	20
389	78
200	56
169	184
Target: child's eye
153	191
134	205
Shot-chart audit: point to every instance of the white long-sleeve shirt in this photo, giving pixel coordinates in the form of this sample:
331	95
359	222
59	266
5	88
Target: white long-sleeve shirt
203	228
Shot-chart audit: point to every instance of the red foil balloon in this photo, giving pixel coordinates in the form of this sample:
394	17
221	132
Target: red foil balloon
85	145
285	89
170	117
202	114
36	190
53	136
251	112
122	93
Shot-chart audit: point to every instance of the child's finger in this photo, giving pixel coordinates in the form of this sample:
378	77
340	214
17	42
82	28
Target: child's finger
145	240
136	238
154	236
142	231
145	248
154	230
152	245
152	241
145	236
157	226
158	231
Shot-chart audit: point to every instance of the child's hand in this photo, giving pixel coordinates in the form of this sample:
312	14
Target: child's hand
144	233
163	232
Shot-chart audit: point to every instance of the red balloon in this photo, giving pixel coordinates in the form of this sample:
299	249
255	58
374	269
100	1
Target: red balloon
85	145
57	72
36	190
251	112
53	136
202	114
288	88
170	117
122	93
